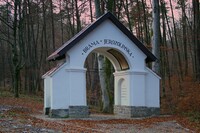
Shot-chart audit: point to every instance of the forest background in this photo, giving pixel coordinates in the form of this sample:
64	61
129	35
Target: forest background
30	30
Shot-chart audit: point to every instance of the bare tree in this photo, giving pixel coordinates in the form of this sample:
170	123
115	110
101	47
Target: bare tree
196	26
156	35
52	25
101	61
176	43
184	31
16	47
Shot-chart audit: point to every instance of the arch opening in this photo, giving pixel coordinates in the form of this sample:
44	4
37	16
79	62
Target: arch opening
93	88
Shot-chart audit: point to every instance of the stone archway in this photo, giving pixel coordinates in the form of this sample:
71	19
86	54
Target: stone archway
136	86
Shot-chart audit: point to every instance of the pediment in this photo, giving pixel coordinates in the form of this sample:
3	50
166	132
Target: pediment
60	52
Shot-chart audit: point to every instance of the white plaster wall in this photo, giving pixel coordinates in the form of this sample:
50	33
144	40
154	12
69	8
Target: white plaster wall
137	88
142	88
77	84
152	89
125	78
47	94
107	31
60	90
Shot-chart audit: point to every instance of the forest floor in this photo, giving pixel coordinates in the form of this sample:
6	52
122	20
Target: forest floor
25	115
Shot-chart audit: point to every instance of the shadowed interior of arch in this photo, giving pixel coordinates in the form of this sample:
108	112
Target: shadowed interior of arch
114	56
120	58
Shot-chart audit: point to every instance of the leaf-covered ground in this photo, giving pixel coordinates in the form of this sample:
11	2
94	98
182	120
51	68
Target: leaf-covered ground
25	114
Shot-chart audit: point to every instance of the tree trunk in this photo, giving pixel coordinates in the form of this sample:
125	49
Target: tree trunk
196	12
105	96
61	21
16	82
78	21
128	15
139	23
91	14
15	48
156	36
176	44
52	25
97	8
166	65
147	38
184	37
46	51
171	41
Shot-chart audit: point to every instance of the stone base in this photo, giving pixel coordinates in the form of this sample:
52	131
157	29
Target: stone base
72	112
78	111
59	113
133	111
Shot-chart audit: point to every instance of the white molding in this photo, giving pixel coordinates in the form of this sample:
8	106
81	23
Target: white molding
58	69
82	70
121	73
135	72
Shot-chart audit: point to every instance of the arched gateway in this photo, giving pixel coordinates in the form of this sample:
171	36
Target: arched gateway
136	89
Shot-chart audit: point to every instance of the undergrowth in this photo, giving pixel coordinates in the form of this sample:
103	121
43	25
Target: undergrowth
193	116
182	101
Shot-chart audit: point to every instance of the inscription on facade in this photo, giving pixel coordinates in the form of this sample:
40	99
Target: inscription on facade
107	42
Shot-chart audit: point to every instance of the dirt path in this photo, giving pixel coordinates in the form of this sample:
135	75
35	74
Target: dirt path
112	124
18	119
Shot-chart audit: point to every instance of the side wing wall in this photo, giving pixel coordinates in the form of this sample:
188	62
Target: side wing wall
47	92
60	90
152	89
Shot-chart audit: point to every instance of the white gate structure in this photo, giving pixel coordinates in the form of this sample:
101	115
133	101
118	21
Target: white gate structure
136	87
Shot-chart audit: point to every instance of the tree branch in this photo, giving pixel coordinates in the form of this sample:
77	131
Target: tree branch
6	40
6	23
